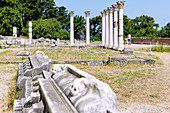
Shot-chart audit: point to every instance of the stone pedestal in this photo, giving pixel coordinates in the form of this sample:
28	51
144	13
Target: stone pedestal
107	28
110	9
121	42
103	27
87	28
71	28
115	45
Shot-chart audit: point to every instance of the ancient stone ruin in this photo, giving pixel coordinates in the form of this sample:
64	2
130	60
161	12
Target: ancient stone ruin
64	89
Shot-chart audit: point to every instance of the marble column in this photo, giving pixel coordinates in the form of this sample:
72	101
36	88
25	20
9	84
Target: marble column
103	27
87	28
121	42
30	30
15	32
115	39
71	28
107	28
110	9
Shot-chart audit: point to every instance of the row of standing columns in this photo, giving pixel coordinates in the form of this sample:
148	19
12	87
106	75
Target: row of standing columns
110	37
72	28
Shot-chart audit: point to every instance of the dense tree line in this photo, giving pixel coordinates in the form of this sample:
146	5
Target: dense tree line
52	21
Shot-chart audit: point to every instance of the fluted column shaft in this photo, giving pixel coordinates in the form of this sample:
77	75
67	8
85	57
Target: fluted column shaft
71	28
30	30
103	27
110	27
115	45
121	42
107	28
87	28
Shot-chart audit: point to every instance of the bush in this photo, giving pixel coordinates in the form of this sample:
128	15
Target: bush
97	37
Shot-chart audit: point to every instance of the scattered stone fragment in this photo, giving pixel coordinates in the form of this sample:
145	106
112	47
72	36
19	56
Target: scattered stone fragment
23	53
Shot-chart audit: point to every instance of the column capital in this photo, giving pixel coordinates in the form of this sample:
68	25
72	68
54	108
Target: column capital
115	7
106	11
71	13
120	4
110	9
103	13
87	13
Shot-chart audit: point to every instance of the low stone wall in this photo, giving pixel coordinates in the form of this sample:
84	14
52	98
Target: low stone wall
161	41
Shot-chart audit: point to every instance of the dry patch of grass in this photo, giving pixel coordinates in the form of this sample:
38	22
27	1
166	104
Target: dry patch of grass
125	81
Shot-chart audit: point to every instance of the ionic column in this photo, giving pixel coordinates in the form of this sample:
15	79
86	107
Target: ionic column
71	28
87	28
30	30
110	27
107	28
115	40
103	27
121	42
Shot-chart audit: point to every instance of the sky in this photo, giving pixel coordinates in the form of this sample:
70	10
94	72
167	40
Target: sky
158	9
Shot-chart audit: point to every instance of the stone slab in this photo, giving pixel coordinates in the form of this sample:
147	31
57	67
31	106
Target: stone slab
23	53
53	100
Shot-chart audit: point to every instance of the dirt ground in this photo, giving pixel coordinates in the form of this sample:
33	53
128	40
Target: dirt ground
157	85
151	96
6	76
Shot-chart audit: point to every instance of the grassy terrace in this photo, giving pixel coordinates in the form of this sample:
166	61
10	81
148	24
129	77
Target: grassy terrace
66	53
127	81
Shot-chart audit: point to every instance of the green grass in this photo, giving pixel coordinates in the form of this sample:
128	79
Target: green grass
160	49
153	95
15	77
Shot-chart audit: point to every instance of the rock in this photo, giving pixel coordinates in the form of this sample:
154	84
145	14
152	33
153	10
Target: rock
127	51
95	63
148	61
23	53
135	61
118	60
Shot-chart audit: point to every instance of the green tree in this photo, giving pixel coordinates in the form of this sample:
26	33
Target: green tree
96	25
165	31
127	25
49	9
31	10
10	16
63	17
144	26
64	34
48	28
79	26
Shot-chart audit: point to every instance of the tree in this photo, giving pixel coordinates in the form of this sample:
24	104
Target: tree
48	28
63	17
96	25
49	9
10	17
79	26
127	26
144	26
31	10
165	31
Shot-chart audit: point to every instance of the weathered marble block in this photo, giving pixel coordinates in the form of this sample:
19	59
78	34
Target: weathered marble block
87	94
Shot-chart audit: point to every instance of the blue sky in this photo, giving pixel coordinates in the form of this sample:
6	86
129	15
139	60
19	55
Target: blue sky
159	9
